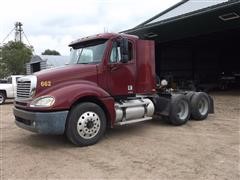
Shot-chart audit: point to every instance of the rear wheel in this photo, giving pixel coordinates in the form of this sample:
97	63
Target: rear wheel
200	106
180	109
86	124
2	98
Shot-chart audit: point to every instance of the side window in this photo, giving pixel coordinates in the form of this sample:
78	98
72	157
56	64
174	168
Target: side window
115	56
17	78
9	80
115	53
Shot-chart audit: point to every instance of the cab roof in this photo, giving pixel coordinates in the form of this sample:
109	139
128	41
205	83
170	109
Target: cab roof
102	36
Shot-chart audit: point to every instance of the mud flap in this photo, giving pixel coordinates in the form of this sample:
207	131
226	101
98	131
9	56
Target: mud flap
211	103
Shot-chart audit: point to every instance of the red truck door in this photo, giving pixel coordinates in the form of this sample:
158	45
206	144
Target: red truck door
121	76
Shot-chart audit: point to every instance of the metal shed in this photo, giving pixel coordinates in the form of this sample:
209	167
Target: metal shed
41	62
196	43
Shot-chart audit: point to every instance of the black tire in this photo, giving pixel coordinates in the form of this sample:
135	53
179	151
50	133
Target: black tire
190	95
86	124
2	98
180	109
200	104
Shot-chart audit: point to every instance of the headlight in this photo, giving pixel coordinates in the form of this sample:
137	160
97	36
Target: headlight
44	101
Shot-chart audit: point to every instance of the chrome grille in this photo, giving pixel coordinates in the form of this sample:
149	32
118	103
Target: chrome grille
24	89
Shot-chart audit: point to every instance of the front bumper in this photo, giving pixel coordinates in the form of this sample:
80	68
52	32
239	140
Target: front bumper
41	122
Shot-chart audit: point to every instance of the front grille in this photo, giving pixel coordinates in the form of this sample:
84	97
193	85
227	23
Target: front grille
24	89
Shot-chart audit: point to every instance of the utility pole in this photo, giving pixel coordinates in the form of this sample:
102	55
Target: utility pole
18	32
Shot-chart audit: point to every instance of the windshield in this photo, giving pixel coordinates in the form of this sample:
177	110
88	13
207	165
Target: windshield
9	80
88	53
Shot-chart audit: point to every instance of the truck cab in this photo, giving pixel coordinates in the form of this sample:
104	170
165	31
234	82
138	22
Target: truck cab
8	88
110	80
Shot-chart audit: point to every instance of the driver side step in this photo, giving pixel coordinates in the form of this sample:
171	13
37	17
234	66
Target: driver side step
133	121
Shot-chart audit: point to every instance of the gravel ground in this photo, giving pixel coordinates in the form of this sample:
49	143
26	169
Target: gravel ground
207	149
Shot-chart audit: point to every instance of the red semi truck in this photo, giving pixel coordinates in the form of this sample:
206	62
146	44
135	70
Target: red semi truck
110	81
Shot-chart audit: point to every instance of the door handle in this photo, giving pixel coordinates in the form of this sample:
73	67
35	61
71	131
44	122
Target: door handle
113	67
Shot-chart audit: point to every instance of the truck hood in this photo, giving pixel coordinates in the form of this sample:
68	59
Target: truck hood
4	86
52	77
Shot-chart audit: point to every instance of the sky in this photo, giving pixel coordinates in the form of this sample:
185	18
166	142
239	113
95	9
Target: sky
53	24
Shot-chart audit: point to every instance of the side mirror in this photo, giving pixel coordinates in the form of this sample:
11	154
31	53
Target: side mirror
124	50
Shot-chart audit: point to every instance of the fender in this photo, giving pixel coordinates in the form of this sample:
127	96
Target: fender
67	94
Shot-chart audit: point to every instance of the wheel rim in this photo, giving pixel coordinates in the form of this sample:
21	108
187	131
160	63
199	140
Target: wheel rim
203	106
183	110
1	99
88	125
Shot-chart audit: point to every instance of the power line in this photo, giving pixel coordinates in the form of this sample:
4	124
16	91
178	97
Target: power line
28	41
8	35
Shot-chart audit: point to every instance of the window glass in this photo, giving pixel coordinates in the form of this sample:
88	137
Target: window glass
17	78
9	80
91	53
116	52
87	55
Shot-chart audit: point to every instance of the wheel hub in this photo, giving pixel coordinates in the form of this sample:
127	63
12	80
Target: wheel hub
203	106
182	110
88	125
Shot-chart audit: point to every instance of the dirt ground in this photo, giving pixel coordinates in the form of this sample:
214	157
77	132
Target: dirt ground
207	149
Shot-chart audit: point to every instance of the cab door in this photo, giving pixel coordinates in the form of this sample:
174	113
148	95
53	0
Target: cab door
10	87
121	75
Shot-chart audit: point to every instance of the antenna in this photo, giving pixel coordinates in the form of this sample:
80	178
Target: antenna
105	29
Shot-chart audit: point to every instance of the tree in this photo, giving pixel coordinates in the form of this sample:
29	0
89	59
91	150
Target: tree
50	52
14	57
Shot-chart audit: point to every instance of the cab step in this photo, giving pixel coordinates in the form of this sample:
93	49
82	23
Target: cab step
133	121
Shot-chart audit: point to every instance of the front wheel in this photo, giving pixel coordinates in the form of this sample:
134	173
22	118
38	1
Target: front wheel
2	98
86	124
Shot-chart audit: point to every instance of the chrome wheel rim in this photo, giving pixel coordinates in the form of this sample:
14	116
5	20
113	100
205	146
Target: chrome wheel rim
88	125
183	110
203	106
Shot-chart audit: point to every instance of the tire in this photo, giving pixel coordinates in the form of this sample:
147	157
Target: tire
86	124
2	98
200	104
180	110
190	95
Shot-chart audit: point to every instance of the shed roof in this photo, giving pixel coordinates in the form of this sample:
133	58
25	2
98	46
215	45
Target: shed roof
51	60
190	18
55	60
